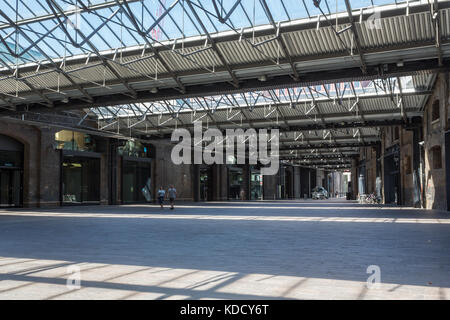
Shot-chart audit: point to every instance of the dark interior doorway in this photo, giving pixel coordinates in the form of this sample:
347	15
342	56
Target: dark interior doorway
392	186
447	167
10	188
206	184
11	172
288	184
80	180
136	180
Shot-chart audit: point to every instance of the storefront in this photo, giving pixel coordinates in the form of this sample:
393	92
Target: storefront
235	182
392	186
205	183
80	178
256	184
136	171
136	180
11	172
80	168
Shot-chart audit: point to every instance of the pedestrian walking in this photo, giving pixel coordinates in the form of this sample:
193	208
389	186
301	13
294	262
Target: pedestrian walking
172	195
242	194
161	194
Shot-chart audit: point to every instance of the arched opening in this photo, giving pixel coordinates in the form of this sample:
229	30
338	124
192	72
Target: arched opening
436	156
11	172
435	112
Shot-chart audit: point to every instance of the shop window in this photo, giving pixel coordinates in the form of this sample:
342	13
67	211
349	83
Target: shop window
435	111
81	180
436	157
133	148
75	141
235	180
256	184
136	181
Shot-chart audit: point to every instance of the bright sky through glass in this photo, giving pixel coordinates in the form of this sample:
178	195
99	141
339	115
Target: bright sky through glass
119	31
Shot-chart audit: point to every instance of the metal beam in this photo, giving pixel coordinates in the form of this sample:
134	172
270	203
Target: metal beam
155	52
55	66
280	41
386	115
219	54
83	9
52	4
330	146
435	15
277	82
356	36
317	157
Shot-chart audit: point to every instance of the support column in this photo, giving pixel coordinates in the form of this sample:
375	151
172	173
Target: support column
219	182
246	180
48	169
354	178
378	181
196	182
296	177
417	199
113	171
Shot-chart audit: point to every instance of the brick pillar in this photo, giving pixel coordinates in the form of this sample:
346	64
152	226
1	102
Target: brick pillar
246	180
196	182
417	199
354	171
49	170
296	178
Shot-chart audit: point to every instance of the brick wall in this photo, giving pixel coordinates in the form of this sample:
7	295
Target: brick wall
434	138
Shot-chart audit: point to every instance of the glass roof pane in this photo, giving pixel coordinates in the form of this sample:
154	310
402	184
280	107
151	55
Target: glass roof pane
300	96
112	26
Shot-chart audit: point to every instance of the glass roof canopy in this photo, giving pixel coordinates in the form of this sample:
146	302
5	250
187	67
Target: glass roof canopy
343	93
53	30
106	26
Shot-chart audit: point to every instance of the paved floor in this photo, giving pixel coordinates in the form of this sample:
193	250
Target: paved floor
225	250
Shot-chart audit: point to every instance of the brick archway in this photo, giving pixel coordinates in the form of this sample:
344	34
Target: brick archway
30	138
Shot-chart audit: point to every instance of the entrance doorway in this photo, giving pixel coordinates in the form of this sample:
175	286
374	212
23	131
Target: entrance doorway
256	184
10	188
235	182
80	180
136	180
11	172
392	176
205	184
447	167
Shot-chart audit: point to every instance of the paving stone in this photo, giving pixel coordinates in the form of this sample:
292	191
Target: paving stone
225	250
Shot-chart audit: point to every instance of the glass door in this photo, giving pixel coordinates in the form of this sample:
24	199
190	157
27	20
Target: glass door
10	188
235	180
205	184
256	185
81	180
136	181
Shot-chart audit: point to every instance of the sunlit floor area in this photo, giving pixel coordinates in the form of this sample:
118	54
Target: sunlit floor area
325	249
